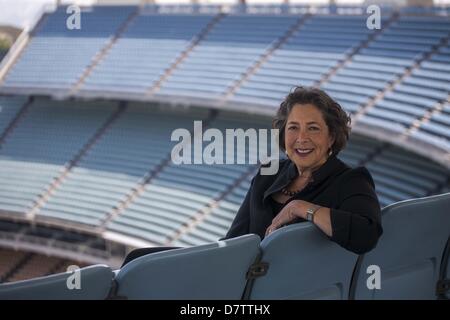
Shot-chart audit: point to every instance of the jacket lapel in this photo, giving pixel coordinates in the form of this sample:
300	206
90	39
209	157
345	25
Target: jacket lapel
288	173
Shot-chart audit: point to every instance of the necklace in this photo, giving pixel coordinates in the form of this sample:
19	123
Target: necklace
290	193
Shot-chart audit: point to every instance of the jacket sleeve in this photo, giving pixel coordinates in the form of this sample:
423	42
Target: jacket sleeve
241	222
356	222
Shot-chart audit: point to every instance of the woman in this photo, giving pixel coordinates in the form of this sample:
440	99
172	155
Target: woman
313	184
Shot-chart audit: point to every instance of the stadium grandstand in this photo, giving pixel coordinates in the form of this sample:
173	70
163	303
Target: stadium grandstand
86	116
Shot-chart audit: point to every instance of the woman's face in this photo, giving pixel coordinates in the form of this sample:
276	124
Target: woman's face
307	138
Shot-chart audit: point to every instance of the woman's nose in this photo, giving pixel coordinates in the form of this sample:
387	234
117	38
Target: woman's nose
302	135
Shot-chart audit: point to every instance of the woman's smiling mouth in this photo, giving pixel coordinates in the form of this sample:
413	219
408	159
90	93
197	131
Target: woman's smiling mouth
303	152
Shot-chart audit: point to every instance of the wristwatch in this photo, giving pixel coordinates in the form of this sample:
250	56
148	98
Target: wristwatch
310	213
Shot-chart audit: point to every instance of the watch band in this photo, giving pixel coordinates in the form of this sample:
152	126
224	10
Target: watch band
310	212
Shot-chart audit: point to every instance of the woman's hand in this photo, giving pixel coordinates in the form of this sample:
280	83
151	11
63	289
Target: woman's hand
297	209
294	209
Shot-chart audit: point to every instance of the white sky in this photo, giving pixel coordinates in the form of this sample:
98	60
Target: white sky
19	13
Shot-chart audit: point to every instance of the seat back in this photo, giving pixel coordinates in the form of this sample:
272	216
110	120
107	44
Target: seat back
410	251
212	271
303	264
94	284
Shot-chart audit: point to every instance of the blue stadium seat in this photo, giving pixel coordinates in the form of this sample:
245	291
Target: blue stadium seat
409	252
95	283
212	271
299	257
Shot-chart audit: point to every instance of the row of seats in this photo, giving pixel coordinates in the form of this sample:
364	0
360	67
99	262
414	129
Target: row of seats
184	192
384	59
435	85
423	89
57	56
304	58
435	131
410	262
398	176
134	145
231	47
143	53
214	224
44	143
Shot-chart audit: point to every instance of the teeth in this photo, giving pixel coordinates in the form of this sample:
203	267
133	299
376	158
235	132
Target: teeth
303	150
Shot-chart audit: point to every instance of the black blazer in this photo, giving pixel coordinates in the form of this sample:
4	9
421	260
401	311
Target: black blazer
349	193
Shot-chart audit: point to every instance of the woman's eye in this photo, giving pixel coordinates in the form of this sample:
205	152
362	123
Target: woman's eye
292	128
313	128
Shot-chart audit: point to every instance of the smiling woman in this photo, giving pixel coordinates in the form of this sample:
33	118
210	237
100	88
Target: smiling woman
313	184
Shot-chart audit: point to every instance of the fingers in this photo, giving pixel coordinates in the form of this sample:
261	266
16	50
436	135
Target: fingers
281	219
270	229
285	216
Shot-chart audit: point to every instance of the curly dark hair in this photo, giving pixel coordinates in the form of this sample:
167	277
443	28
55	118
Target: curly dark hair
335	117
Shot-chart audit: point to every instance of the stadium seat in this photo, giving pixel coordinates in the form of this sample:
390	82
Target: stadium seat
302	264
211	272
409	252
95	283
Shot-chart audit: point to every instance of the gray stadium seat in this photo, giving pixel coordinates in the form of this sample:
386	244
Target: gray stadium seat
303	264
409	252
95	282
212	271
